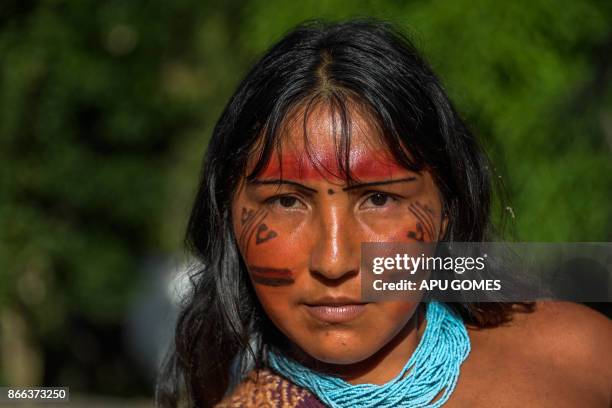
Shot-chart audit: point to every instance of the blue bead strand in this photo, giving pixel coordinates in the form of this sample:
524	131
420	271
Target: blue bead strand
432	370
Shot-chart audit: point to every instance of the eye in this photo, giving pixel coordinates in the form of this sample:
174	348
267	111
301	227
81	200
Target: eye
378	199
287	202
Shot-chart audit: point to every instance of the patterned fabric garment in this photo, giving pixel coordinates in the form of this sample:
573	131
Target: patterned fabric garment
265	389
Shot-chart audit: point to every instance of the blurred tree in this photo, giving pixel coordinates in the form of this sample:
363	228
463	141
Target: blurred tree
107	107
97	99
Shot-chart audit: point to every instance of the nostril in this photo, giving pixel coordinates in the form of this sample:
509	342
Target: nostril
334	278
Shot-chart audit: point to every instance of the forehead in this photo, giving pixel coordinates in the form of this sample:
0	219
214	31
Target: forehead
316	144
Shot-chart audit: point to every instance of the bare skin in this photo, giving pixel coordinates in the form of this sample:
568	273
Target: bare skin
558	356
300	239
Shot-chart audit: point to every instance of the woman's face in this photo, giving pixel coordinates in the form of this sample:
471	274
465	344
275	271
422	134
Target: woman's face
300	236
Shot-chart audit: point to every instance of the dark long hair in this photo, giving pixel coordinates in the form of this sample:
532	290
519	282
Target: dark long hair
363	62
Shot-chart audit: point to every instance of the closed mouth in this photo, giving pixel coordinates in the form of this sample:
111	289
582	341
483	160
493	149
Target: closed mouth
336	310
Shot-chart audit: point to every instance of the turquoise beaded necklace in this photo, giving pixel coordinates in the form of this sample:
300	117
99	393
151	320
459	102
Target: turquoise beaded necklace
432	369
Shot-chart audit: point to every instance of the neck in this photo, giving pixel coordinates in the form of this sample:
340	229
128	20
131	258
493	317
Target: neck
385	364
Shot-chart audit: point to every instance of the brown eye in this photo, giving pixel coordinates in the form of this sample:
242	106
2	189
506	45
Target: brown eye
379	199
287	201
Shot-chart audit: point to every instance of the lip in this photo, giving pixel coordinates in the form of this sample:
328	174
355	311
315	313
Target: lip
335	310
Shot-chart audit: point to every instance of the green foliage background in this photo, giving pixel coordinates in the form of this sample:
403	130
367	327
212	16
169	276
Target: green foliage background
106	108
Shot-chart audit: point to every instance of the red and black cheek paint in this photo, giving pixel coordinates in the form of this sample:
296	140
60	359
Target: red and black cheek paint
252	222
271	276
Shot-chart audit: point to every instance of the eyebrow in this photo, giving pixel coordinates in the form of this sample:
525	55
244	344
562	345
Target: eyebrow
379	183
279	182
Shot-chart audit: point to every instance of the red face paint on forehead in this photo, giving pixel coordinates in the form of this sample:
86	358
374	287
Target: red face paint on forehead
364	166
369	159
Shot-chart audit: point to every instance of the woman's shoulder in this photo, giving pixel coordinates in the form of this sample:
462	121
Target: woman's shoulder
263	388
574	332
567	329
559	346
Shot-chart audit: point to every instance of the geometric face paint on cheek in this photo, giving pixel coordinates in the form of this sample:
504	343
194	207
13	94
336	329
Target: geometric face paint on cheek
252	223
263	234
271	276
425	225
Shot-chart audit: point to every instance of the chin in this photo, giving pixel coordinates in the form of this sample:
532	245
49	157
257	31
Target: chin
341	352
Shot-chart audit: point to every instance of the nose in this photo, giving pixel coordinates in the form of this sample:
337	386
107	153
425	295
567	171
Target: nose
335	253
